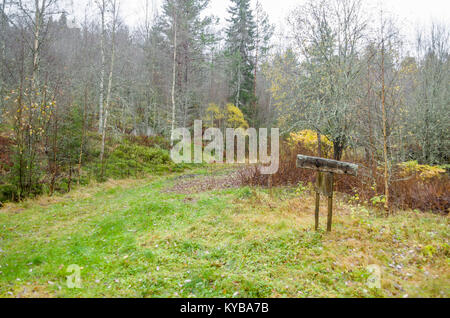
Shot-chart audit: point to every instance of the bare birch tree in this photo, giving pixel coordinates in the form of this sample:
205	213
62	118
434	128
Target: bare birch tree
174	71
103	8
114	13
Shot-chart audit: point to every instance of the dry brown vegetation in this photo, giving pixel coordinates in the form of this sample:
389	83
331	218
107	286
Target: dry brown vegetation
5	154
410	192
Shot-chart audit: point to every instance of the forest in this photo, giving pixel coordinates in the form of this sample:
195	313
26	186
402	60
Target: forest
89	102
71	91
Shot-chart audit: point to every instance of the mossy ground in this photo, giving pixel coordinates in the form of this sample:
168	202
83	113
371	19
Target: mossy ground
132	238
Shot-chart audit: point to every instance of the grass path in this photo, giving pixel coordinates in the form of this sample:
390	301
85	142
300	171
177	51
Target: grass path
134	239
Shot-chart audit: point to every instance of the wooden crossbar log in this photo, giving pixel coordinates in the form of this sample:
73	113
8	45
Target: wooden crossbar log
326	169
327	165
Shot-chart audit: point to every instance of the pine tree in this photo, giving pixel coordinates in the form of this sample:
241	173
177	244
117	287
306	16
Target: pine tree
240	47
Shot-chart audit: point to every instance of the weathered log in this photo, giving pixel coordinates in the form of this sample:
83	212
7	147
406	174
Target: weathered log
327	165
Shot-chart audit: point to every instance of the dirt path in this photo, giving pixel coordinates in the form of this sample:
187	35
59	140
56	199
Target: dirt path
189	184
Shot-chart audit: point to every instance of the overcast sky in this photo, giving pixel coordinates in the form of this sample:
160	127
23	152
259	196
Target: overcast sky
411	14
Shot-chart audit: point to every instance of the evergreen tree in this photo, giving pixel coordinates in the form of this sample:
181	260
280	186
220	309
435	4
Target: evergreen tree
193	37
240	47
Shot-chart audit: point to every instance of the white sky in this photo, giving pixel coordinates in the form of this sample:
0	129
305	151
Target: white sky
411	14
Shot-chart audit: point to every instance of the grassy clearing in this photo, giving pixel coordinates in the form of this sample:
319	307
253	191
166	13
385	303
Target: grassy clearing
133	238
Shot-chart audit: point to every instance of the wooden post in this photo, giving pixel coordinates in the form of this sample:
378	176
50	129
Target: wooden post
270	185
330	213
325	180
317	209
330	203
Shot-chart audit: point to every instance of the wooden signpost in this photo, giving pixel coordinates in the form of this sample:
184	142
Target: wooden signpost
326	169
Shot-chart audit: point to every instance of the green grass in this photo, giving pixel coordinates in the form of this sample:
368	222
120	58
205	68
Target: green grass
132	238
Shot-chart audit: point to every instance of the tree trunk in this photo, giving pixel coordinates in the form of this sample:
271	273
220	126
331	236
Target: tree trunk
102	69
69	183
338	149
256	64
372	147
174	71
385	136
319	145
238	83
36	43
83	134
2	57
55	152
110	79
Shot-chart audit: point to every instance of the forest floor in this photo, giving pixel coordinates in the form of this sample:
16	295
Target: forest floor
192	235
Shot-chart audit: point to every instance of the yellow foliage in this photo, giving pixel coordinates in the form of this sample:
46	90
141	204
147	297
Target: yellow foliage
308	139
235	117
424	171
232	114
213	115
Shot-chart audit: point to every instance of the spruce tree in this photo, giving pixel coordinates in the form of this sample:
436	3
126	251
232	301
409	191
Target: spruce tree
240	48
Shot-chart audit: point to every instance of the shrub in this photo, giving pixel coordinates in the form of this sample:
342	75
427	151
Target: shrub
5	155
425	194
235	117
308	139
8	192
288	173
134	160
151	142
232	115
214	116
425	172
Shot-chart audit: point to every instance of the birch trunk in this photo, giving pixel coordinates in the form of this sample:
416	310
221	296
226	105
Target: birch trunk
39	20
174	78
102	68
385	139
83	134
2	57
110	80
370	127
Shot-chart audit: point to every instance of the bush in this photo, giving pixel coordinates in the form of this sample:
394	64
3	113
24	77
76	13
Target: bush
5	155
8	192
231	116
308	139
135	160
151	142
425	172
288	173
425	188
